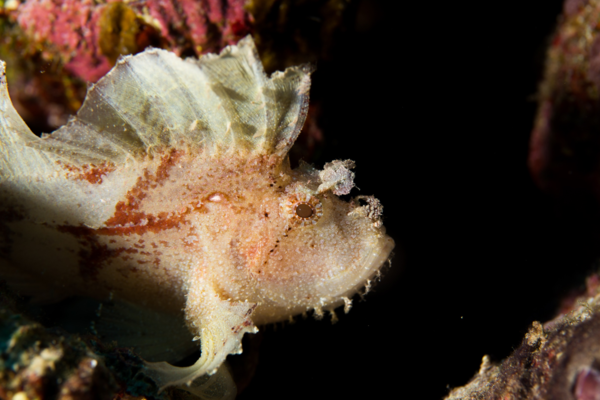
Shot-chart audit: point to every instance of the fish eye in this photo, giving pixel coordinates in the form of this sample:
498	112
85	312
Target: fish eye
304	210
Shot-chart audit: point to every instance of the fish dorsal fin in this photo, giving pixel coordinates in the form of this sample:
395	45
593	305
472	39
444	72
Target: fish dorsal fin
220	103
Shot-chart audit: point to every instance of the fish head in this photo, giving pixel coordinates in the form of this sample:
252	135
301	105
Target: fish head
321	250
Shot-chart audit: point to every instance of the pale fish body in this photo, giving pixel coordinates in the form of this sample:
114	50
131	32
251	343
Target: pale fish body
171	190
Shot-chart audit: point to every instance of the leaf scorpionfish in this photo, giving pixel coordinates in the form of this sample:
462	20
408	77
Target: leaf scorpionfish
171	192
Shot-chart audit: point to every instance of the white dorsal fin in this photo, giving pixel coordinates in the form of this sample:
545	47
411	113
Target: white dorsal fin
154	99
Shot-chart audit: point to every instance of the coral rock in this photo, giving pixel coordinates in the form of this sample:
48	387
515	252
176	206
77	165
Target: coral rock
564	157
555	361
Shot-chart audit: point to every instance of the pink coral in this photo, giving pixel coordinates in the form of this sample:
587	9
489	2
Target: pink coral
198	20
236	22
72	27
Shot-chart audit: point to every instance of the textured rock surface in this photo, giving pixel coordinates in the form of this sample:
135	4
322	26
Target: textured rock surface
555	361
40	363
47	363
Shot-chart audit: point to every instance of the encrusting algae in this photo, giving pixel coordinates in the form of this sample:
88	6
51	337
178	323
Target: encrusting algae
171	194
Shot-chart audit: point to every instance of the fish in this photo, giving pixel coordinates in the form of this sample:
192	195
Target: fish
171	194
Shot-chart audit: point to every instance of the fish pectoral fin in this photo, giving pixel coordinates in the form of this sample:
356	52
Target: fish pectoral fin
216	386
220	325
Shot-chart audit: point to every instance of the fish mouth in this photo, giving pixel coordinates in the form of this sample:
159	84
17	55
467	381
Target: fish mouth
330	292
338	290
357	278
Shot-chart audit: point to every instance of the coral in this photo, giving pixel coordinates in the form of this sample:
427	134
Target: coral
565	144
56	47
555	361
207	25
47	363
89	36
36	363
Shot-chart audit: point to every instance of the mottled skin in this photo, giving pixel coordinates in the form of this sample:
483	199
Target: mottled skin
213	223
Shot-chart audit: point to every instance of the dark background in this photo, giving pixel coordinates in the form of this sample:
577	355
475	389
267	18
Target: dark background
435	103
